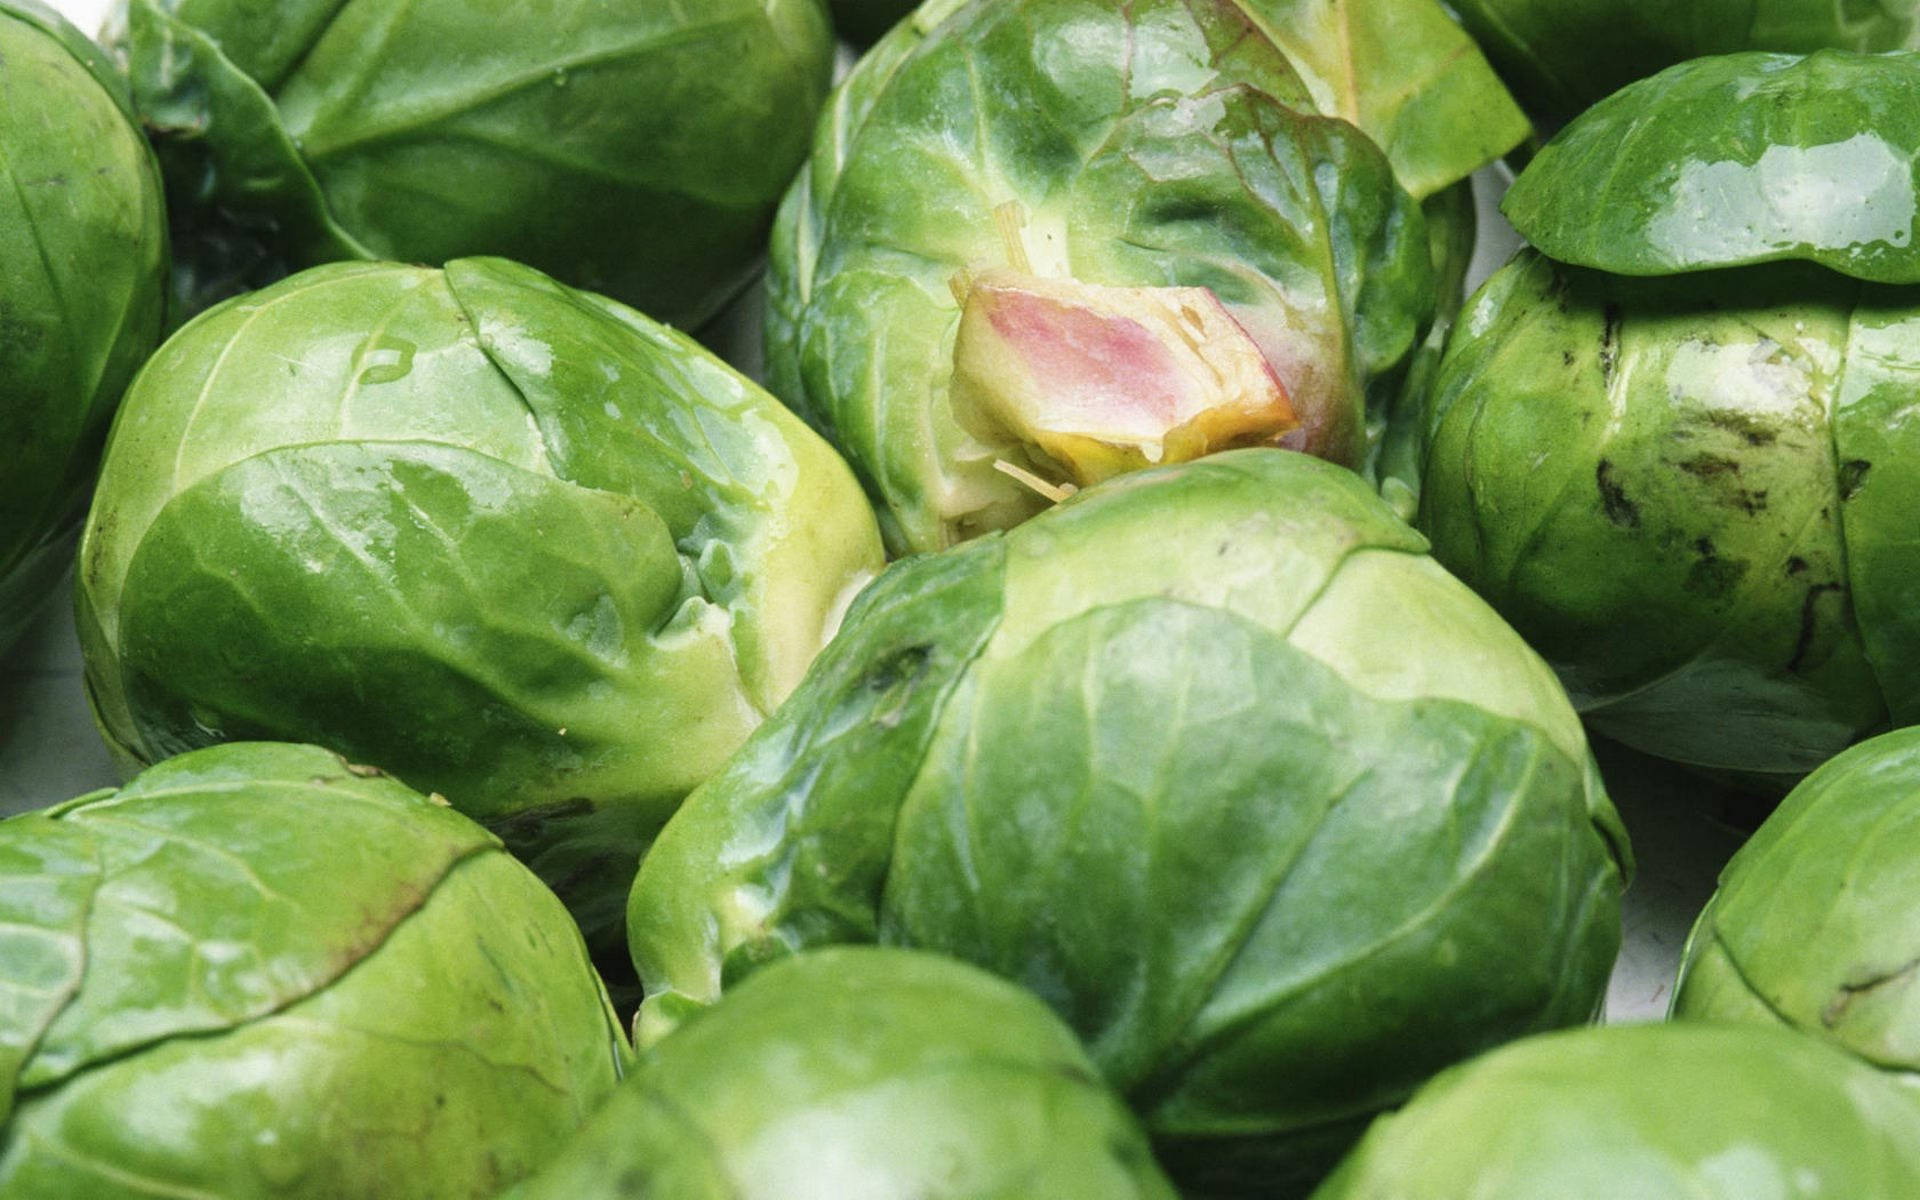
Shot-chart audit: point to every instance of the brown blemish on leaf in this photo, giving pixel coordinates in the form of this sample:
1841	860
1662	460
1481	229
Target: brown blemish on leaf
1613	498
1836	1009
1809	623
1748	428
1853	477
1610	345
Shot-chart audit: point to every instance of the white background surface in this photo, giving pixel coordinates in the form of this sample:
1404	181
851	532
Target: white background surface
49	750
87	14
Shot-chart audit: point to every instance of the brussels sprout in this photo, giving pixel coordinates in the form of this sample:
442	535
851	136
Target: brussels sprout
83	252
1635	1112
1692	492
1044	241
636	149
1814	925
257	971
515	543
1275	813
1562	55
1641	476
869	1074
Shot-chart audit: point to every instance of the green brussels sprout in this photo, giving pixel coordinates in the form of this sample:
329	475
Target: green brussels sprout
83	261
1688	480
1563	55
1217	761
1042	242
515	543
1637	1112
1813	926
259	972
864	21
869	1073
636	149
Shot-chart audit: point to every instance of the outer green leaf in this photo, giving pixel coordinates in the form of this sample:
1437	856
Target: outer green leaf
1151	145
83	254
1404	73
1401	70
1562	55
513	542
1236	922
191	963
51	879
758	505
1731	161
1813	925
402	580
817	784
219	1000
1397	417
1166	749
1682	557
1876	437
633	149
878	1074
1640	1111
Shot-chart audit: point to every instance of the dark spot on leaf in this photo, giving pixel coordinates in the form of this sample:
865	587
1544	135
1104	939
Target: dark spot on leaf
902	666
1843	999
1613	498
1796	565
891	681
1711	575
1709	466
1853	477
1750	429
1566	358
1610	344
1809	624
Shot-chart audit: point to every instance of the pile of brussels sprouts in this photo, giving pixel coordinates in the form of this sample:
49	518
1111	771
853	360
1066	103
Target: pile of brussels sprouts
1109	718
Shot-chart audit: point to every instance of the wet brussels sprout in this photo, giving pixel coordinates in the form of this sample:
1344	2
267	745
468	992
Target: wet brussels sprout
1563	55
1814	924
1634	1112
869	1073
637	149
83	254
513	542
1042	242
1686	471
259	972
1202	757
